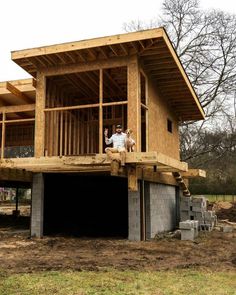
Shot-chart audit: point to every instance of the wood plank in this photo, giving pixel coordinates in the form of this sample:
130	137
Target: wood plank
132	178
101	139
20	175
67	108
85	106
134	102
3	135
86	66
17	108
18	93
19	120
61	134
192	173
90	43
40	115
141	159
22	85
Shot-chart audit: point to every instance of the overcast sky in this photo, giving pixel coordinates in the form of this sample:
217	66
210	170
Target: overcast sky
27	23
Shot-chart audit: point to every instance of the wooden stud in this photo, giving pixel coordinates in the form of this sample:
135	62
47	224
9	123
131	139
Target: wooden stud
40	116
134	103
3	135
101	111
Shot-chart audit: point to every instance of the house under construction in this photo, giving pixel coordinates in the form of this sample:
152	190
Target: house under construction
52	135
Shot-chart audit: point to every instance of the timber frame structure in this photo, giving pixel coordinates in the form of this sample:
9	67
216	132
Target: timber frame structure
81	87
54	122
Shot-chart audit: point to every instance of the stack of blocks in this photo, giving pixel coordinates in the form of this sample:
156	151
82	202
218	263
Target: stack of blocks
195	208
189	229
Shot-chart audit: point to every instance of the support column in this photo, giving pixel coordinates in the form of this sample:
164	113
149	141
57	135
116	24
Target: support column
134	101
40	116
37	204
134	216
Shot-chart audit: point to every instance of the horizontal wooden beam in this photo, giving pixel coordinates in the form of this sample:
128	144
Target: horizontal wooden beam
86	66
191	173
23	85
18	121
17	108
16	92
79	162
8	174
86	44
86	106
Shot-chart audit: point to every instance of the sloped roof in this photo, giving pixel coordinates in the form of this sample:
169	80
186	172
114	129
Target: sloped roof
156	54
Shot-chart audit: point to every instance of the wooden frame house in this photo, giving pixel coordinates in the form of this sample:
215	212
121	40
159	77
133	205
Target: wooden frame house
53	124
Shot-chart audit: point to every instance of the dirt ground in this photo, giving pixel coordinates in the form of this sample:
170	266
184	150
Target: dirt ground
19	253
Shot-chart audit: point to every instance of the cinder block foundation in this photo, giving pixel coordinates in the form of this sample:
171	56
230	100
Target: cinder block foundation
161	208
36	227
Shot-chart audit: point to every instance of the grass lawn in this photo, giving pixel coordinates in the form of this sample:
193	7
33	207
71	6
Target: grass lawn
111	282
215	198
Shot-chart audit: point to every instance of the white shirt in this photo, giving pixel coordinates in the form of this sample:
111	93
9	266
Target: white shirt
117	139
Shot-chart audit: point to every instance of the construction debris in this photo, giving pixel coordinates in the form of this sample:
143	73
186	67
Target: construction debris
189	229
195	209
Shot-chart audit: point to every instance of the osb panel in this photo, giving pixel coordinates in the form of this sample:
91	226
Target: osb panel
159	138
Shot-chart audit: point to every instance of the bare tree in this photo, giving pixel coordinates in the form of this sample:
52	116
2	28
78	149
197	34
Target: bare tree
206	44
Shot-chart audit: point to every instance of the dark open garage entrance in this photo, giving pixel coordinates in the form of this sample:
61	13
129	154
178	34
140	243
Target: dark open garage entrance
91	205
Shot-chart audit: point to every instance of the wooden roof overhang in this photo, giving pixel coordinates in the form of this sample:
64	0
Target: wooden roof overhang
156	54
17	98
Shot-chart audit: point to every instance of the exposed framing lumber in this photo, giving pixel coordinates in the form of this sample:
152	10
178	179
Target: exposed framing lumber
132	178
100	111
40	116
86	44
85	106
18	93
7	174
22	85
18	120
3	135
85	67
138	158
134	101
17	108
192	173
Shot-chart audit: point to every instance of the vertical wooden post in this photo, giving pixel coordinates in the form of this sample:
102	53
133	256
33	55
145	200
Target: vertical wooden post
100	111
61	134
132	178
40	116
134	102
3	134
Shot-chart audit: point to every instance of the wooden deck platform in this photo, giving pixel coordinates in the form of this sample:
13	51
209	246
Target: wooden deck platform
149	166
94	162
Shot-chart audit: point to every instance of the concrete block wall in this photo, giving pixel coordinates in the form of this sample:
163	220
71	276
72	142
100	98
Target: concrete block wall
161	202
195	208
37	204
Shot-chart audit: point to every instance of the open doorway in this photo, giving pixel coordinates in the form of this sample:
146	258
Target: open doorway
88	205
